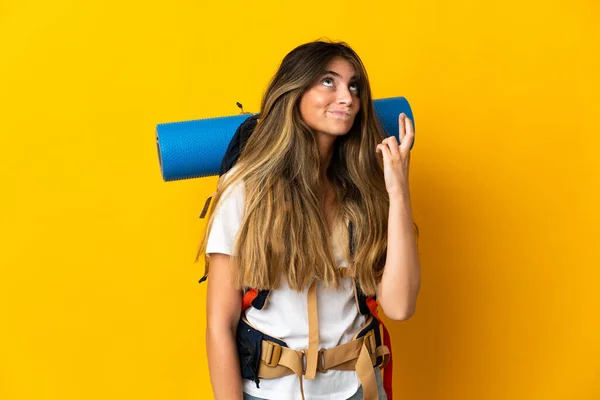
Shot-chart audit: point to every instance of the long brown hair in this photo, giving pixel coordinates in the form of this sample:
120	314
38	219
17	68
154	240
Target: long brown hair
283	231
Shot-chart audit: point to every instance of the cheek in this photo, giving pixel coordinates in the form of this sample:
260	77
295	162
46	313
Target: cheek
315	100
312	106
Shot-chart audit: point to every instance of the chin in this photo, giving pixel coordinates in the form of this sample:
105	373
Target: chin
340	132
336	132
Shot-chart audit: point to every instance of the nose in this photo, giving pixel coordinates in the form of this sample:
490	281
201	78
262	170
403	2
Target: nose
344	95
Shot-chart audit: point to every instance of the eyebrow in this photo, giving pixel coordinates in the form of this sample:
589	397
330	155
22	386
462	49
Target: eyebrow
353	78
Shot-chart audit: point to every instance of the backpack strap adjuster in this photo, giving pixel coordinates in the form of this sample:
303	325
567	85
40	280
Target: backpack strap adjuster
321	361
271	353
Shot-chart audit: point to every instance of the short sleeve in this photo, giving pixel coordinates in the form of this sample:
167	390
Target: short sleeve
227	220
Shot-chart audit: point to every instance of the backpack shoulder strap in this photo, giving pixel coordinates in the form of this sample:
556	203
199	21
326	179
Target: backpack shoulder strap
237	143
234	149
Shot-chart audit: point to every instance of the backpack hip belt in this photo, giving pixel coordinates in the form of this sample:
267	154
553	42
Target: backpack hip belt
364	352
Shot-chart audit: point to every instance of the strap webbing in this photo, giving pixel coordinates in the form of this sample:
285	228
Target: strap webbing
359	355
366	374
312	354
388	370
289	360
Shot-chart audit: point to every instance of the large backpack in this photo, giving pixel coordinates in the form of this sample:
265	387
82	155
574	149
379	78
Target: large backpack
249	359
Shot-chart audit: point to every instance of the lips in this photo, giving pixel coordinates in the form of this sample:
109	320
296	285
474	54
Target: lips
340	113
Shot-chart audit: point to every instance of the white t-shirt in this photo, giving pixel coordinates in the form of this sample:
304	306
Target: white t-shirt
285	315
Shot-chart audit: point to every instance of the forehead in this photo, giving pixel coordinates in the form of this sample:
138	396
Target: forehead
342	67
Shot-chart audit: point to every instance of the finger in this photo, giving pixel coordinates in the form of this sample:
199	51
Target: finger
385	151
401	127
393	146
409	126
409	136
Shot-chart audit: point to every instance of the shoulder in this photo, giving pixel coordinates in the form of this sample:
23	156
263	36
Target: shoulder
226	176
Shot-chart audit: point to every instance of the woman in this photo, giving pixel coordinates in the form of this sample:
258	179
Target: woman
316	161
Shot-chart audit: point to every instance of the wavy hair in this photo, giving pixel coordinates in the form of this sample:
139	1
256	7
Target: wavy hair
283	233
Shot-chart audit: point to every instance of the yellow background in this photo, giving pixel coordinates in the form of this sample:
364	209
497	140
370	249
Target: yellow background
98	292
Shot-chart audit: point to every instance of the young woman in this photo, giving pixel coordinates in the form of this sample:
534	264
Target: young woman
316	162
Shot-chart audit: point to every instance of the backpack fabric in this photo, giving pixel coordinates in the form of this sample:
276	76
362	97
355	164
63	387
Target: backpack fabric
237	143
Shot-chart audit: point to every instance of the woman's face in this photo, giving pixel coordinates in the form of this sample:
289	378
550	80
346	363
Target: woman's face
331	104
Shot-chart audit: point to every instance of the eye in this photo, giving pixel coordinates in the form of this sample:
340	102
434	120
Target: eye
330	83
330	80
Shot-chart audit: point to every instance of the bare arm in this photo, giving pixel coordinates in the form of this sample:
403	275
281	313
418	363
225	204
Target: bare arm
397	292
223	308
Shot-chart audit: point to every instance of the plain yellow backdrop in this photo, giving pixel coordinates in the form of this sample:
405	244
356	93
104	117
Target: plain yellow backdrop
98	290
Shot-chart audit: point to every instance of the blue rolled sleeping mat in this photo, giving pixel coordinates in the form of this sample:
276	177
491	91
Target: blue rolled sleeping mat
195	149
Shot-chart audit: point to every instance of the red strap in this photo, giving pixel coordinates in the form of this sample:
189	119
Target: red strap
387	371
248	298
